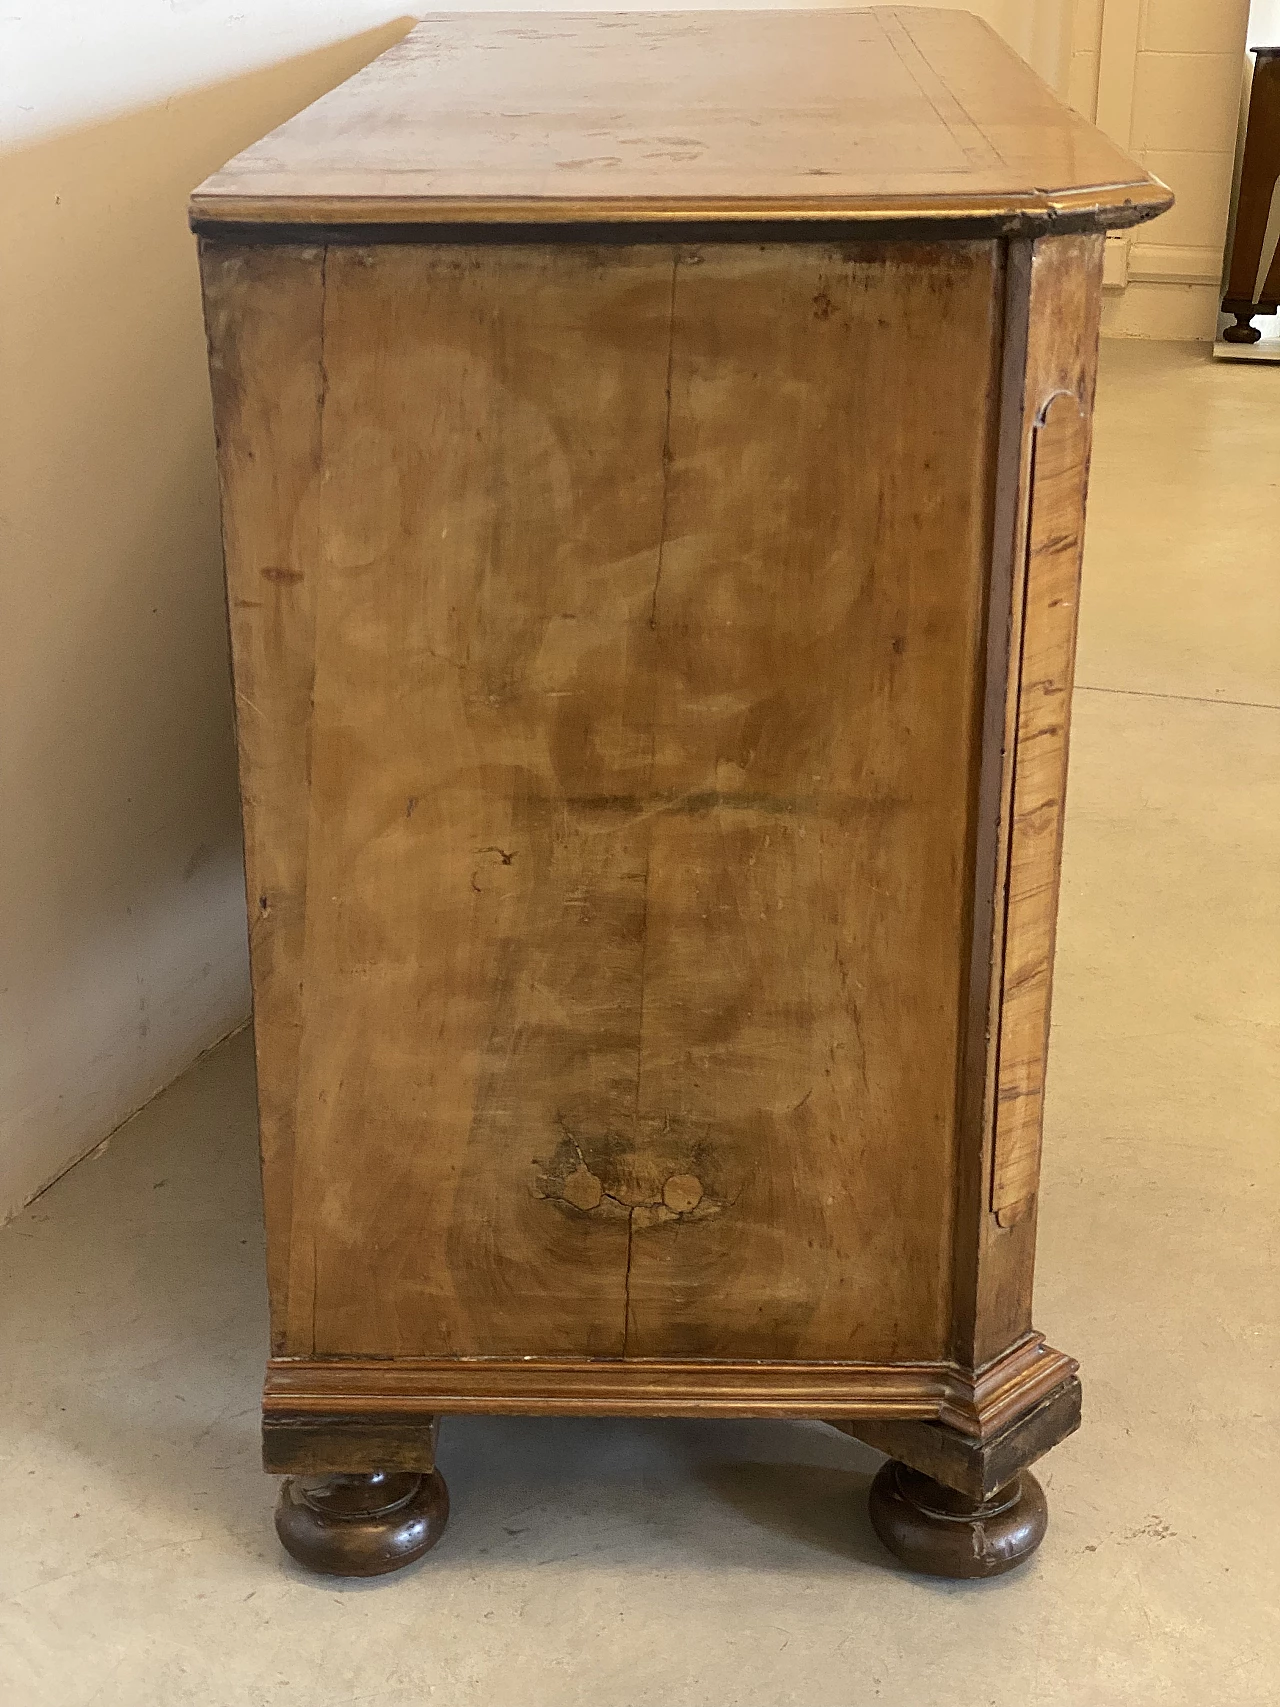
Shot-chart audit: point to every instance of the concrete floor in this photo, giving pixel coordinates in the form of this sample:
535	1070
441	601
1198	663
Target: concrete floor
623	1564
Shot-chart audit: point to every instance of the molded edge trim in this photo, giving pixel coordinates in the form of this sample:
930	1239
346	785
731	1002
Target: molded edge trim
379	1389
423	219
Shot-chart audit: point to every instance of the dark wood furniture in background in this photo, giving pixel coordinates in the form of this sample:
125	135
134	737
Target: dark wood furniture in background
653	455
1253	269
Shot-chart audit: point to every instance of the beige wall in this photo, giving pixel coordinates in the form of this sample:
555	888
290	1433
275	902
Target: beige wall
121	907
1163	77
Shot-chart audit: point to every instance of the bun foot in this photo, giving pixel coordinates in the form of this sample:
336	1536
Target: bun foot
1243	332
361	1526
932	1529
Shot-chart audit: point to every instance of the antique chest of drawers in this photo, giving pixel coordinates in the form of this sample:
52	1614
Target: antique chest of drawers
653	454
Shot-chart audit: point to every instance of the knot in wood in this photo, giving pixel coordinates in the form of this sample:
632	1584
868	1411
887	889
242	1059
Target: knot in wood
681	1193
582	1189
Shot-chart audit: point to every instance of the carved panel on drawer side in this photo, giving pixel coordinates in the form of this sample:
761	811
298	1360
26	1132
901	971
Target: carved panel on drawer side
1046	664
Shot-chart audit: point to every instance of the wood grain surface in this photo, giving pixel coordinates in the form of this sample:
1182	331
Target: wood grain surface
301	1393
1045	668
608	631
888	114
1052	312
263	310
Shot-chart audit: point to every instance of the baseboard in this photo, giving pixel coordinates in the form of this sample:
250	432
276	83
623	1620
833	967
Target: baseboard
1176	263
1165	309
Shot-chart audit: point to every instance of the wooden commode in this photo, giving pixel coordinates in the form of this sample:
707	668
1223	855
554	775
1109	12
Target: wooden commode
653	455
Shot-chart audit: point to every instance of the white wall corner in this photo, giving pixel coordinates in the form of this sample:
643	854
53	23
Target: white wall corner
101	1034
1115	261
1167	90
1117	68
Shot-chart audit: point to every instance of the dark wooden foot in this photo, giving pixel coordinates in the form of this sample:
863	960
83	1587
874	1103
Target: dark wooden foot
362	1525
1244	331
934	1529
975	1466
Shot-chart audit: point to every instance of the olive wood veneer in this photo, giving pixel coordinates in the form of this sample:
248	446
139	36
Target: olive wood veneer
653	455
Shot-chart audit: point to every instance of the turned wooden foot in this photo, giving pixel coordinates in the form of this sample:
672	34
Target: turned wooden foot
933	1529
361	1525
1244	331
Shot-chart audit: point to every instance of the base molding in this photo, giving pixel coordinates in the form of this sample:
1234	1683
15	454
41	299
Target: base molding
332	1415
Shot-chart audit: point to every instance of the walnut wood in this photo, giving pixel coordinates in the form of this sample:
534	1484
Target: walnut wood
652	662
411	1389
361	1525
591	801
888	115
976	1467
1052	320
1044	673
266	373
933	1529
308	1444
1253	267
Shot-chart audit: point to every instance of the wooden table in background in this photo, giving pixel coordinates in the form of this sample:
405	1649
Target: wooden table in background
653	454
1253	265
